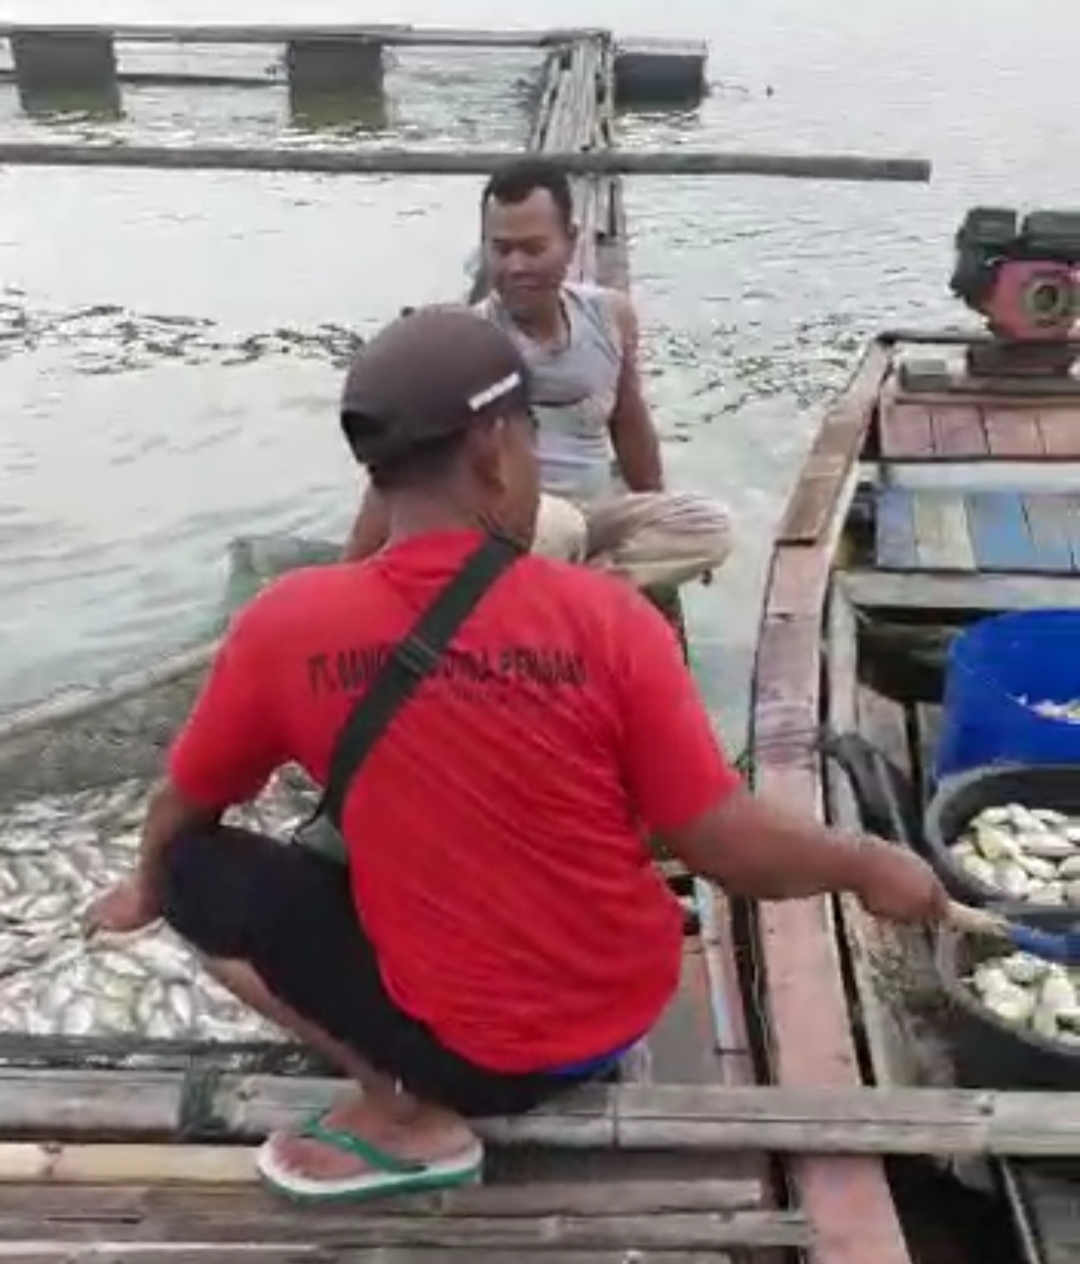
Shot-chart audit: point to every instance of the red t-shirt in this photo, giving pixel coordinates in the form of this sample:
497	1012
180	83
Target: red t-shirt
496	831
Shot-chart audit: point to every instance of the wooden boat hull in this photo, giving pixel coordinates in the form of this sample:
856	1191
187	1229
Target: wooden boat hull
915	513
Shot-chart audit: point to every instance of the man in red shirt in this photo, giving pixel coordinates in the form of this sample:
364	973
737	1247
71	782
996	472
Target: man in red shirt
499	932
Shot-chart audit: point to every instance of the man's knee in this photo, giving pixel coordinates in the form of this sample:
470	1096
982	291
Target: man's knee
561	530
664	539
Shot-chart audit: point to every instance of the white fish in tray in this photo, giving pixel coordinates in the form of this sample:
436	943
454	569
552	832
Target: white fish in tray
1031	994
56	854
1029	854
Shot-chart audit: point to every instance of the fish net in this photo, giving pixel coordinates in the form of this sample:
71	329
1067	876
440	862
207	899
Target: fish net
75	775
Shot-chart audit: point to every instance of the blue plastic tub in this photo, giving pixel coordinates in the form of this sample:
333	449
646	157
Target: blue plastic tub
1032	654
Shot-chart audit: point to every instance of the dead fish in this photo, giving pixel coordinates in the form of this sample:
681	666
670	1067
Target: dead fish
1026	992
1027	853
56	853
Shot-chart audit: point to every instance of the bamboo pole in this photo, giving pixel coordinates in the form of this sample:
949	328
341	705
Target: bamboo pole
268	33
143	1105
126	1164
859	167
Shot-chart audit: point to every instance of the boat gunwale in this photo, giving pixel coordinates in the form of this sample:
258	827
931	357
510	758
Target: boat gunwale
849	1201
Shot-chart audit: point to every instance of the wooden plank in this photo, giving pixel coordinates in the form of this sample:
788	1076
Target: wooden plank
943	541
673	1231
810	1029
1052	523
839	1118
42	1252
907	432
999	532
928	591
1013	432
896	545
1053	1203
834	451
245	1198
959	432
1060	430
722	979
1072	525
1045	477
278	33
884	723
328	161
994	396
927	731
680	1048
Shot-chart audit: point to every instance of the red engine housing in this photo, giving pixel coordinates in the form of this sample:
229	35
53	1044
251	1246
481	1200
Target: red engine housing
1033	300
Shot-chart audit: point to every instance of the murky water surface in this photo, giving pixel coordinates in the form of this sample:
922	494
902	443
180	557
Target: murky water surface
171	343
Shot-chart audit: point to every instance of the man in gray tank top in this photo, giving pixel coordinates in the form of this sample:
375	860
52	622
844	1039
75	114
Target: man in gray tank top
601	469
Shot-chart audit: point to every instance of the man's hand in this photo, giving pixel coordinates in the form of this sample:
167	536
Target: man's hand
127	907
898	886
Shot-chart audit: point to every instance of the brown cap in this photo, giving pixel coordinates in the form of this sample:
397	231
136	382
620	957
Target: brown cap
427	375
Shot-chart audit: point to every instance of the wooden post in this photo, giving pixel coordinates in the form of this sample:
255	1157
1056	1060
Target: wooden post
320	66
660	72
65	70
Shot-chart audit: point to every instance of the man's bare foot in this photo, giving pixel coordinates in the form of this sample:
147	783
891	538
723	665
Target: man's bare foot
423	1133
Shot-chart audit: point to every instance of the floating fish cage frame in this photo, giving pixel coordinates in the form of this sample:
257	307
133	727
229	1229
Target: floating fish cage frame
74	776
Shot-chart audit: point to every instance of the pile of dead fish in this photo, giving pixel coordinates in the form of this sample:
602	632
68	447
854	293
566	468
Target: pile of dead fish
1030	854
56	855
1030	994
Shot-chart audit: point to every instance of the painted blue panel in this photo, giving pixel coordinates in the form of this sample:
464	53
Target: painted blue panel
896	529
999	532
1051	524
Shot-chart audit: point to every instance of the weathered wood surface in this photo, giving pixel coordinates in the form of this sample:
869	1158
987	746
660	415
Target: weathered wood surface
837	1119
152	1252
988	531
176	1215
461	163
140	1194
927	590
914	428
277	33
812	507
811	1026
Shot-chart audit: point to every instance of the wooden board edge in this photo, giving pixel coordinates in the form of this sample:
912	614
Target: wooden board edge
814	501
848	1201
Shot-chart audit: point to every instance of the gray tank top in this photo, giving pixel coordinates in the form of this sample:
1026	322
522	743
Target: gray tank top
572	390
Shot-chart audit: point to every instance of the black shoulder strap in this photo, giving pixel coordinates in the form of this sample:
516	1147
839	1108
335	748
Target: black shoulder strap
410	662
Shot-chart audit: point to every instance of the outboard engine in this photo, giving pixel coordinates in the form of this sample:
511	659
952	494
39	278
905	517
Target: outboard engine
1023	277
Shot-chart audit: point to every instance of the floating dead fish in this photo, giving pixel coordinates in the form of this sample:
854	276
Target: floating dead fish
57	854
1029	854
1028	993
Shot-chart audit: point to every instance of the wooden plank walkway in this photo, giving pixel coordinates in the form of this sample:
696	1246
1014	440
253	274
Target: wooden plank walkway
1003	532
83	1105
553	1222
912	429
388	34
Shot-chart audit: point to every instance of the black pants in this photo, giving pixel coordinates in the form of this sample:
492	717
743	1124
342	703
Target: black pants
289	914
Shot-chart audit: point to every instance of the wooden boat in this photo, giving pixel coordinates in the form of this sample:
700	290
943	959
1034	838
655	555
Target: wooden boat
936	491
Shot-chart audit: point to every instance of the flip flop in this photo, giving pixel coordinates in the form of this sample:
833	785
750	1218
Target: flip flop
389	1175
